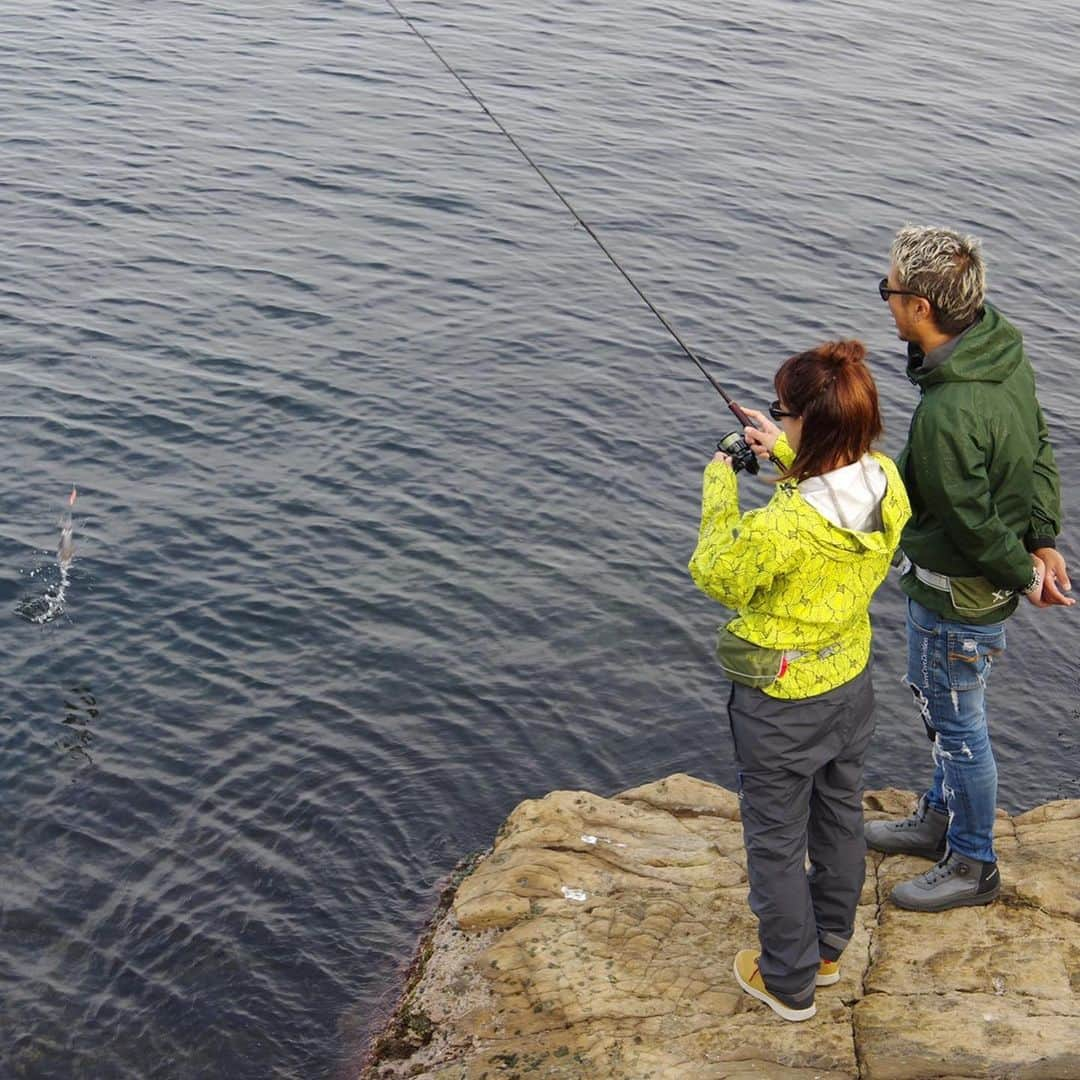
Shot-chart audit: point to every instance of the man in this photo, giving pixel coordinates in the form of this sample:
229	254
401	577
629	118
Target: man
983	485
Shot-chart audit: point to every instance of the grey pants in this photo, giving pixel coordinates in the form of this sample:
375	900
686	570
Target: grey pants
800	785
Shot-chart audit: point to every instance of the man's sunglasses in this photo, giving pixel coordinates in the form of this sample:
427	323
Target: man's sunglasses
885	292
778	414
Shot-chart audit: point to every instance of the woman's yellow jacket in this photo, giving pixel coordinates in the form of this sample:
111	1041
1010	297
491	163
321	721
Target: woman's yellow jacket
798	582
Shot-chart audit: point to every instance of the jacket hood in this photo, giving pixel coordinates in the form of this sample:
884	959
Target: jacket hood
990	350
837	540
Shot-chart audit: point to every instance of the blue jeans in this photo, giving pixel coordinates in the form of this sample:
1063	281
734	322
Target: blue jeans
948	668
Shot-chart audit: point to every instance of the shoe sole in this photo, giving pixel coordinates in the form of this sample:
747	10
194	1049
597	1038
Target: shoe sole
827	980
967	901
778	1007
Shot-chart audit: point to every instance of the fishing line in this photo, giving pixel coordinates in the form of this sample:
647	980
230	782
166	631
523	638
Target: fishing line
739	413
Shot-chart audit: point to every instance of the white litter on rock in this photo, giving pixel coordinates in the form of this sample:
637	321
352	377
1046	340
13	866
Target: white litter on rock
588	838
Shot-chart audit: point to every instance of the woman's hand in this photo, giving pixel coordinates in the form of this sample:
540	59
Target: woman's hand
762	438
721	456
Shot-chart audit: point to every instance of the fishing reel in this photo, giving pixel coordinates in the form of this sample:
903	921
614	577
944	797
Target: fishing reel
734	444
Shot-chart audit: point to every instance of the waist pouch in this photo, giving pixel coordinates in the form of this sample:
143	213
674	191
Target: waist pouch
976	595
750	664
757	665
968	595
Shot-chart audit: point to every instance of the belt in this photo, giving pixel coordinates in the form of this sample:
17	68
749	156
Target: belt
932	578
927	577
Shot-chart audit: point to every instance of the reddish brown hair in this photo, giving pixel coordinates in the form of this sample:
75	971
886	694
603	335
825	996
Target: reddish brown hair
832	389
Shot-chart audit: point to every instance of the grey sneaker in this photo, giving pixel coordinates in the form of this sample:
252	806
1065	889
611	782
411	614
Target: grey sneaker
921	834
956	881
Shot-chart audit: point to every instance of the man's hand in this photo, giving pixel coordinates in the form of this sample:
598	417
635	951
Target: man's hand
1055	579
762	438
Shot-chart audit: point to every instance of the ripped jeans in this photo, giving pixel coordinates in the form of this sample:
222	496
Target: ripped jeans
948	667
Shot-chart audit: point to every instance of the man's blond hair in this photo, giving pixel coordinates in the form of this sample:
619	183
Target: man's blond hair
947	268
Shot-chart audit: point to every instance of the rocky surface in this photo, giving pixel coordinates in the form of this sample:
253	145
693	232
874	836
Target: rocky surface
595	942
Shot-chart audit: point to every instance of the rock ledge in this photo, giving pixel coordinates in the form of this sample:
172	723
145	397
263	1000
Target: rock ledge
595	942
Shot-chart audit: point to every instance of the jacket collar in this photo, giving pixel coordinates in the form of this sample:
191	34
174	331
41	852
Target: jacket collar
922	363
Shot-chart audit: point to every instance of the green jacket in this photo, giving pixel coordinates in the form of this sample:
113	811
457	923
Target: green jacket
980	472
797	581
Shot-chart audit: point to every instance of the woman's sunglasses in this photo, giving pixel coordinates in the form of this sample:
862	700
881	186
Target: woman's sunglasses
778	414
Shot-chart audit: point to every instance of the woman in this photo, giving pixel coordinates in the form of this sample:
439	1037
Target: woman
800	573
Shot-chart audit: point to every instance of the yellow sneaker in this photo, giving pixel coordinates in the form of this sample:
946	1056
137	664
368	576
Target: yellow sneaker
828	973
749	978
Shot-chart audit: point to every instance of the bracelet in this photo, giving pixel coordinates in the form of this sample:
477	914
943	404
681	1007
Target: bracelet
1035	582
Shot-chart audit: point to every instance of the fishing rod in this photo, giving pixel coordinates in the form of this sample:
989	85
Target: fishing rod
743	456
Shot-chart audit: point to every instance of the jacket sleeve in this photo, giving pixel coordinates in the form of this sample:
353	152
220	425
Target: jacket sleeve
1046	493
951	466
782	451
736	554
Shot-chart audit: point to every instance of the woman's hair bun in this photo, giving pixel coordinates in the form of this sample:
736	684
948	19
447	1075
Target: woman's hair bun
843	353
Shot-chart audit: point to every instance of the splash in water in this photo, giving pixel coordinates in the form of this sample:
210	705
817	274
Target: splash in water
45	608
